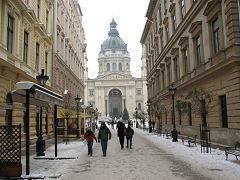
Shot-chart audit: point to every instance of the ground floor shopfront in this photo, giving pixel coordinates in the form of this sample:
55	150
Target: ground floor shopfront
222	83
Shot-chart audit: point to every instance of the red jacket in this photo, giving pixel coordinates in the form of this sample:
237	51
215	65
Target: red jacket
89	136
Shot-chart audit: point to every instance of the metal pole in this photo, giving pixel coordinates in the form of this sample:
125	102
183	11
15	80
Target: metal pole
174	131
84	119
173	113
55	128
78	133
27	133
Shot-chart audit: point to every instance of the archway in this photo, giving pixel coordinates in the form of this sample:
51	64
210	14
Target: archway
115	103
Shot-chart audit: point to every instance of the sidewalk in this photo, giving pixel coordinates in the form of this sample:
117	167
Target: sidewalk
73	161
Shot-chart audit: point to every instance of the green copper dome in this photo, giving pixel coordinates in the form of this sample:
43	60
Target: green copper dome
113	42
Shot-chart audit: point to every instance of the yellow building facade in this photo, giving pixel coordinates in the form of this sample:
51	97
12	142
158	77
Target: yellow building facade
25	49
194	44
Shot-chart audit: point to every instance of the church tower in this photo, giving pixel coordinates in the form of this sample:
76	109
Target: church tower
114	56
115	88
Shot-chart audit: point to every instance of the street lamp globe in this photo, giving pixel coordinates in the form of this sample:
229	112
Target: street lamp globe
42	79
172	89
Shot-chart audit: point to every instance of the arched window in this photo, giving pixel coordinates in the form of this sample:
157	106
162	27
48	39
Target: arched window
127	66
108	67
114	67
139	106
8	116
120	66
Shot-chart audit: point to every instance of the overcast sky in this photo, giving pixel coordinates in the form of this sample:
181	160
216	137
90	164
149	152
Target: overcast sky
130	18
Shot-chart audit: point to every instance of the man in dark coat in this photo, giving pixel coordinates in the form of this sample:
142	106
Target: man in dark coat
121	133
104	135
129	135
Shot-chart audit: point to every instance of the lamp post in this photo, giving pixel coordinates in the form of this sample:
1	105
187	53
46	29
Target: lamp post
95	121
40	144
78	99
149	114
172	91
136	110
91	110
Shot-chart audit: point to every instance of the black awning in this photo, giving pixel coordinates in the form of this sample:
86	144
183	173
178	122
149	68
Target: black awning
39	95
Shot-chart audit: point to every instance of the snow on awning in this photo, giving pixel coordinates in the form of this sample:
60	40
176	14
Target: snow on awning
40	96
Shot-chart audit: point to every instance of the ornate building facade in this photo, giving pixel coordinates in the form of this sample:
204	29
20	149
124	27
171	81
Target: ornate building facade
70	48
29	37
25	49
115	88
195	43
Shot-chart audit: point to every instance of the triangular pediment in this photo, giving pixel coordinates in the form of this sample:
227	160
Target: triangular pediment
115	76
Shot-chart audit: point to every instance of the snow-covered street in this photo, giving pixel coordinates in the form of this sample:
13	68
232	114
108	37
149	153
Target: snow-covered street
152	157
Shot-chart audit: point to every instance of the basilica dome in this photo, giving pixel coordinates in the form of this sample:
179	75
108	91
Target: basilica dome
113	42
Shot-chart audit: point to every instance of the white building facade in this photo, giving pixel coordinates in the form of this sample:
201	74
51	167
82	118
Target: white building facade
115	88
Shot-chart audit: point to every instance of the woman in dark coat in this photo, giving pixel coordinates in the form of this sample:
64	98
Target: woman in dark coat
121	133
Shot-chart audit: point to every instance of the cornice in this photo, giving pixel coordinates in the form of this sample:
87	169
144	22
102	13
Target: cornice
194	26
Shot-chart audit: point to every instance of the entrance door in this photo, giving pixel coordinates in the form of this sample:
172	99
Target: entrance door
115	103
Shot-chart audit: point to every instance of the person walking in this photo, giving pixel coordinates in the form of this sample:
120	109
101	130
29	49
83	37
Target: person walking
153	124
112	123
89	136
121	133
129	135
104	135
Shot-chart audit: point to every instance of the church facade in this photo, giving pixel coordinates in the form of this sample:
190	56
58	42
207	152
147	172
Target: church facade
115	88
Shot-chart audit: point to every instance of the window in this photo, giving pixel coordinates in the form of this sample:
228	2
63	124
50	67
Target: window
37	56
174	24
215	31
176	68
160	15
185	60
120	66
38	8
91	92
198	50
47	20
193	1
165	6
169	74
46	62
10	33
127	66
182	8
8	116
114	67
139	91
108	67
190	113
223	103
167	33
161	41
25	47
163	78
